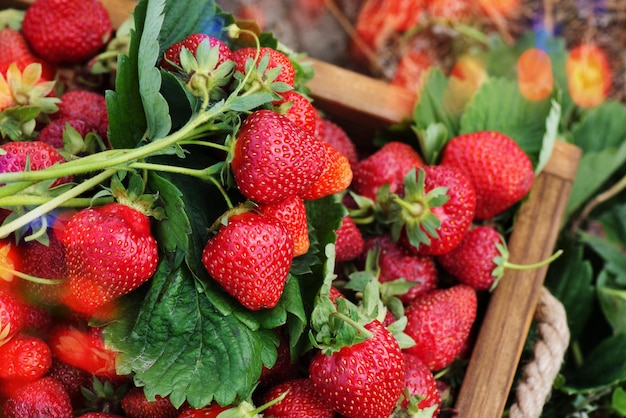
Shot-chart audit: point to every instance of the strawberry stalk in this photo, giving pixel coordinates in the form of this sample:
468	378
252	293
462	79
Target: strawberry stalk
24	276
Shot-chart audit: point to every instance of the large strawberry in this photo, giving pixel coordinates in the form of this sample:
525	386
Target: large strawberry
498	168
110	251
440	322
32	156
364	379
302	401
298	109
250	258
44	397
67	31
274	159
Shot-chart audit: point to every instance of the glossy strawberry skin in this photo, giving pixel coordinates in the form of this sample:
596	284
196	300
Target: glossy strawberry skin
276	59
275	159
335	177
298	109
302	401
209	411
67	31
350	242
420	382
191	43
44	397
110	252
387	165
440	322
15	49
292	213
39	154
250	258
498	168
339	377
24	358
336	136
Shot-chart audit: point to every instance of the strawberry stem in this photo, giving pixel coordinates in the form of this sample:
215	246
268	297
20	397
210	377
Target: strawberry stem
541	263
360	328
30	278
27	200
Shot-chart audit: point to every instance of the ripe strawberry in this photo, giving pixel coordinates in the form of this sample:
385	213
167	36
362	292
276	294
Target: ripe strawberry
439	322
71	377
336	175
339	377
302	401
250	258
298	109
24	358
86	105
336	136
136	405
287	72
283	369
274	159
292	213
498	168
52	133
349	244
421	386
171	58
67	31
387	165
588	73
44	397
110	252
210	411
395	262
38	154
15	49
99	415
12	315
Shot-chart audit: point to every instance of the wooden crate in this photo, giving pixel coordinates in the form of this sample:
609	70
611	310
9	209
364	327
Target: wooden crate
363	104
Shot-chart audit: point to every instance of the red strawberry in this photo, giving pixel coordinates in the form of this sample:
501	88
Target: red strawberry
336	175
38	154
44	397
436	210
439	322
499	169
86	105
52	133
421	386
340	378
15	49
250	258
67	31
12	315
136	405
191	42
298	109
292	213
71	377
336	136
395	262
388	165
349	244
412	68
99	415
24	358
110	252
274	159
277	59
283	369
302	401
210	411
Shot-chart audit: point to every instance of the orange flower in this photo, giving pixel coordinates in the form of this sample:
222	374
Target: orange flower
534	74
588	75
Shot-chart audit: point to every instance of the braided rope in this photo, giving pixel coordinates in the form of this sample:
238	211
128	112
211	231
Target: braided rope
538	376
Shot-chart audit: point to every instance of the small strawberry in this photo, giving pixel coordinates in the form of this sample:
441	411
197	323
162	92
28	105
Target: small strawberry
292	213
277	60
210	411
38	155
44	397
274	159
86	105
67	31
336	175
302	401
24	358
250	257
339	377
15	49
500	171
336	136
440	322
171	58
388	165
136	405
421	388
53	133
350	243
298	109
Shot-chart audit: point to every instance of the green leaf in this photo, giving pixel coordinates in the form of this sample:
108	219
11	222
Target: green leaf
550	136
613	221
612	302
601	127
432	141
180	345
247	103
612	255
618	401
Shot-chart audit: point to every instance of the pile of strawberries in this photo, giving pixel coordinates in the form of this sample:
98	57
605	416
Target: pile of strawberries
395	304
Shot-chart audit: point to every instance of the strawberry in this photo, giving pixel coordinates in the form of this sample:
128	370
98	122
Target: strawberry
292	213
274	159
171	58
71	377
302	401
12	315
588	75
250	258
110	251
500	171
534	74
38	155
349	244
336	136
440	322
86	105
136	405
277	59
99	415
412	68
44	397
210	411
420	386
339	377
67	31
15	49
298	109
52	133
395	262
388	165
24	358
283	369
336	175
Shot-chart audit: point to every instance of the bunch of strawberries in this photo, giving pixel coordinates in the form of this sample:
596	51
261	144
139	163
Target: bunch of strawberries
414	249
